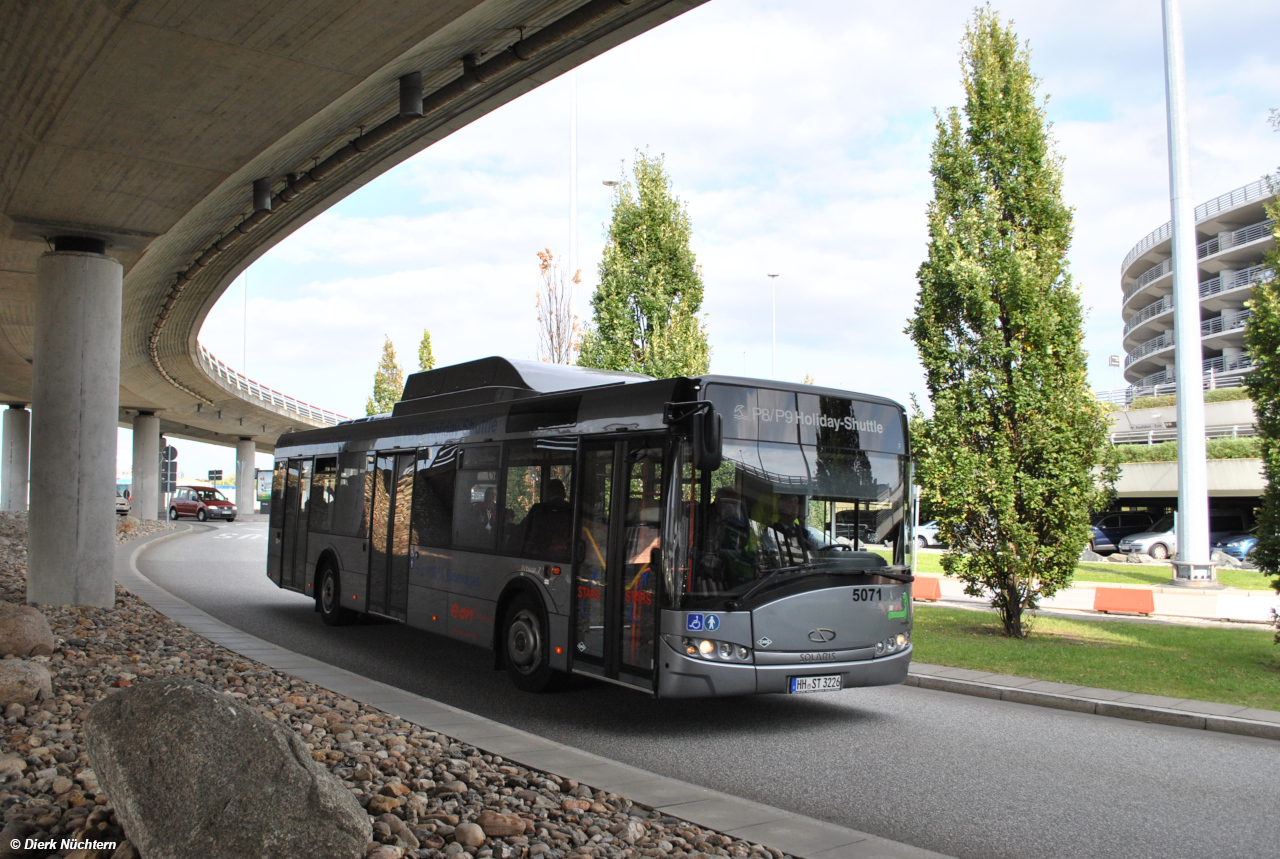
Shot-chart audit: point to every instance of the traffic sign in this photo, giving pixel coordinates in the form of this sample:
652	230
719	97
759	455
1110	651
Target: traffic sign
215	475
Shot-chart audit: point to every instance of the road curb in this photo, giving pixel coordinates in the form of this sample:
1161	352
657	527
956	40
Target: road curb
795	834
1113	709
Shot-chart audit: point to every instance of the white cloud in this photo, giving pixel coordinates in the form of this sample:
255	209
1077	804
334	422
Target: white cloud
798	135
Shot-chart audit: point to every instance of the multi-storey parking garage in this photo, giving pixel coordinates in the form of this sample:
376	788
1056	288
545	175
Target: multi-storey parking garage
1233	233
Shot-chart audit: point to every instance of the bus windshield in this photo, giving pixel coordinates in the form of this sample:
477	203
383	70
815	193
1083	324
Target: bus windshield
791	498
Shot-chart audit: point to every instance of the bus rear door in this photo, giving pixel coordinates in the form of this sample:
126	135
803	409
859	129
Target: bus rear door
615	578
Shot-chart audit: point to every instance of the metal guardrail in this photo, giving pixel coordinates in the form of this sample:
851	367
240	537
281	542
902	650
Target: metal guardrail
1225	322
1246	277
243	385
1164	305
1221	203
1217	244
1242	236
1171	434
1155	344
1159	384
1154	273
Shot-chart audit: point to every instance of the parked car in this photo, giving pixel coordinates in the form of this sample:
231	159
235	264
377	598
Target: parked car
202	502
927	536
1161	540
1239	545
122	503
1110	528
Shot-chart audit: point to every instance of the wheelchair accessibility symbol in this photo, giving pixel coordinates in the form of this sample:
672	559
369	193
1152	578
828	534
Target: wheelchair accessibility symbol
697	622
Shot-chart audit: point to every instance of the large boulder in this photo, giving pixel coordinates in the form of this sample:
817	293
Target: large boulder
24	631
193	773
22	682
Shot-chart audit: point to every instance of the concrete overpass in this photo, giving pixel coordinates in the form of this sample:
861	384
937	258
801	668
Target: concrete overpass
150	150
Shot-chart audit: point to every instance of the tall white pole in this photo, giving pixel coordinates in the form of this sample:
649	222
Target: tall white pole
773	280
573	174
244	323
1192	565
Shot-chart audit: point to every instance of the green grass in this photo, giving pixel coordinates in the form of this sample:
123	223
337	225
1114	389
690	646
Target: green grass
1127	574
1230	666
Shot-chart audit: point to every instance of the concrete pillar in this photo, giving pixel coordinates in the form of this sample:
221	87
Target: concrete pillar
246	490
146	466
75	406
16	458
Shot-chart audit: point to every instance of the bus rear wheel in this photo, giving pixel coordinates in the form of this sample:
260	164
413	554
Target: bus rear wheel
526	651
329	599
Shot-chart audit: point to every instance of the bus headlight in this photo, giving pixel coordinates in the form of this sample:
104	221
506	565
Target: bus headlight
707	649
902	640
879	648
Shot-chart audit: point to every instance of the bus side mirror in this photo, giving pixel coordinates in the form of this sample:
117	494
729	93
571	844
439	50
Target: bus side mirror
708	431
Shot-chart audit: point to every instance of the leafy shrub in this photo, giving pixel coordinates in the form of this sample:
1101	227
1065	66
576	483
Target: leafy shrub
1167	451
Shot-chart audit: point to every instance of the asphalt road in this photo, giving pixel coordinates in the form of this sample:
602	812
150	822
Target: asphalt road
964	776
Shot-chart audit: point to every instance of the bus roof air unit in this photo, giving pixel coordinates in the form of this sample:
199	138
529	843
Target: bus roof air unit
491	380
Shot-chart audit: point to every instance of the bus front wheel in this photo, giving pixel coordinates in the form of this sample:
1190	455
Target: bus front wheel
527	653
332	612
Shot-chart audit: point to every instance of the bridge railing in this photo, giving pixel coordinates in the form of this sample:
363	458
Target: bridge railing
248	388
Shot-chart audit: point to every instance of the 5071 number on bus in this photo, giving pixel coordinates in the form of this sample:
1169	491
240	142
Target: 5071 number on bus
867	595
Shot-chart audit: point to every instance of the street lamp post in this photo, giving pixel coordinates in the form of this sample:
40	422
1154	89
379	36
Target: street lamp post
1193	565
773	280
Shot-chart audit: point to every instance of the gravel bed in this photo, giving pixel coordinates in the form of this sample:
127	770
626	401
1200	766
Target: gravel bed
420	787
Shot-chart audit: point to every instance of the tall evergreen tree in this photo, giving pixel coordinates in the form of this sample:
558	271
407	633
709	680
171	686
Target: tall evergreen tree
645	310
1008	456
426	360
1262	334
388	383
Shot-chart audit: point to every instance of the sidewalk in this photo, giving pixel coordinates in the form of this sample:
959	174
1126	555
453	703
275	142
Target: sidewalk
1172	603
1178	712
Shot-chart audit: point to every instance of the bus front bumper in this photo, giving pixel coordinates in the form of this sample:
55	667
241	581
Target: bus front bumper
683	676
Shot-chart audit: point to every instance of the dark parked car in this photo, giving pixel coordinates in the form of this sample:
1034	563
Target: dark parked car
1110	528
202	502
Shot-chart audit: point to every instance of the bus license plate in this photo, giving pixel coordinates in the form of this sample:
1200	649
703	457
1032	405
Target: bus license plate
826	683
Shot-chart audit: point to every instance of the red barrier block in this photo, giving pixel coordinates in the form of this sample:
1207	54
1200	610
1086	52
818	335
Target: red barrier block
1131	600
926	589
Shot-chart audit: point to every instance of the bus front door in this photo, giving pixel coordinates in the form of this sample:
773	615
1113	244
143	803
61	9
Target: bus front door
615	581
293	538
389	540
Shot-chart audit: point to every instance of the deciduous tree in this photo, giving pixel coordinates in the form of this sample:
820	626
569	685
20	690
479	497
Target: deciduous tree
388	383
426	359
559	333
1015	455
645	310
1262	335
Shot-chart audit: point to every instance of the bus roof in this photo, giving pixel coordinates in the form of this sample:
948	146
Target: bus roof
499	372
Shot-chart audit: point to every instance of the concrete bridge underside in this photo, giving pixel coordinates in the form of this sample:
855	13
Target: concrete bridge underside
150	150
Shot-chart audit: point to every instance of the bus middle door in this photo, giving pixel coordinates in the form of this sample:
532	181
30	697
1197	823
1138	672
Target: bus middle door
389	538
615	583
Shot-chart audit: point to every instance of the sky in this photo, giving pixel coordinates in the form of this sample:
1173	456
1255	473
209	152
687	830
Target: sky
797	135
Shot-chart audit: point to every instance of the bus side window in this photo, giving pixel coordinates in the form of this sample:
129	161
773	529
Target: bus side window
477	513
433	497
323	484
539	476
347	518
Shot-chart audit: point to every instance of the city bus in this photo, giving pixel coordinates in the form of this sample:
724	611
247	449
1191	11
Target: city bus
677	536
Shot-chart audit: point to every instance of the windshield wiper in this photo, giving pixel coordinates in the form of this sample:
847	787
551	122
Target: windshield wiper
898	574
755	589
